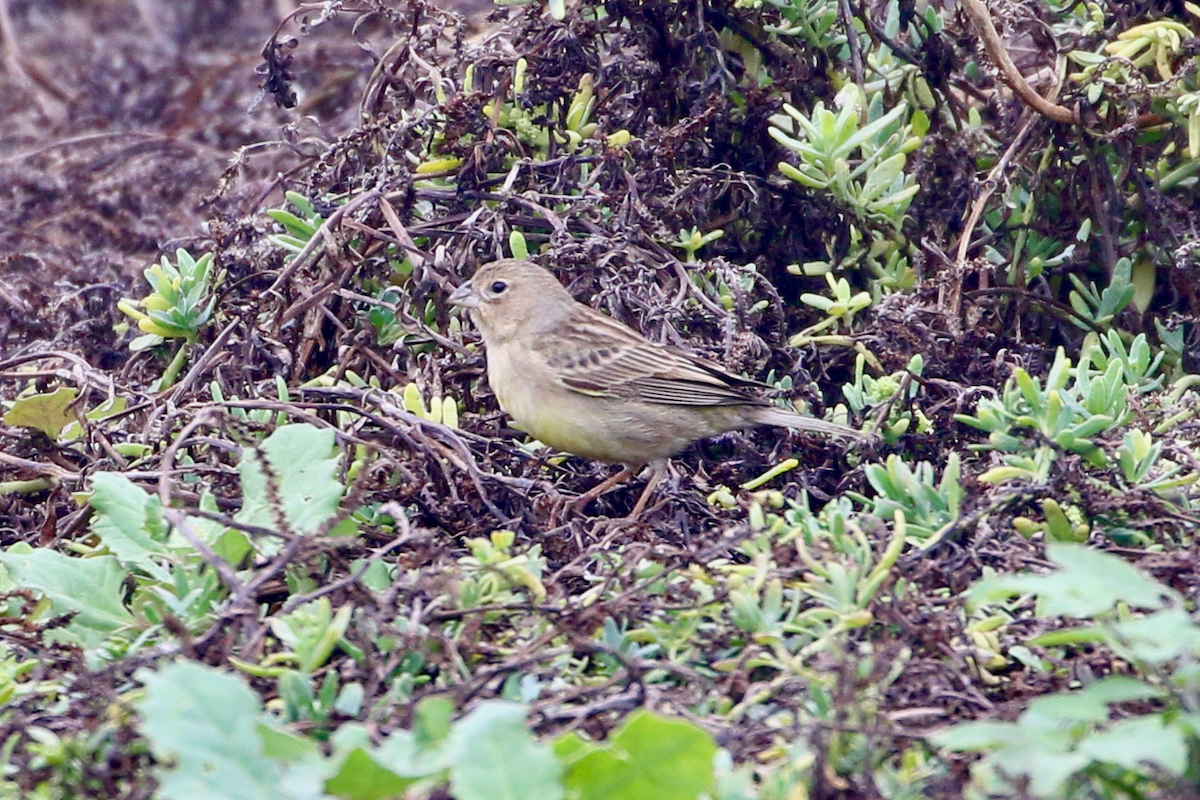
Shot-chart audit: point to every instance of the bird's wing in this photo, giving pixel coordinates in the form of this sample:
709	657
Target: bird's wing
596	355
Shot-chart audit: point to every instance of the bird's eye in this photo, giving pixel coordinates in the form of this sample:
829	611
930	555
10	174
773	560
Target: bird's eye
498	287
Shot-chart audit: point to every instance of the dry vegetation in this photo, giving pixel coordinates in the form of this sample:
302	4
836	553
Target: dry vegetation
305	481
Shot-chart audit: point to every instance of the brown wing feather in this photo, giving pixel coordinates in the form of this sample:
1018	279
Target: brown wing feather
596	355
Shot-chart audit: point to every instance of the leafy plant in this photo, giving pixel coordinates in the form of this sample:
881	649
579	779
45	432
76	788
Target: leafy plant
215	736
927	507
299	228
693	240
289	483
827	144
898	392
1062	416
1104	733
181	301
1099	308
840	309
443	410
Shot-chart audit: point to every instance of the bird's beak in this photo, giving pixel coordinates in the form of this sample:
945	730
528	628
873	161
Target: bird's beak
465	296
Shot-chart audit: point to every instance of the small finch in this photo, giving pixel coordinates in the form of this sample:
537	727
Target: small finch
586	384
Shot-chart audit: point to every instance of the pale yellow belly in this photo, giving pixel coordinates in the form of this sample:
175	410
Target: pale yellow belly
603	428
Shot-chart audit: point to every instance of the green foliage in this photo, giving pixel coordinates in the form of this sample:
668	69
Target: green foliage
55	413
493	757
1138	363
776	619
1124	64
815	21
180	303
1099	308
299	229
443	410
527	120
647	756
90	589
48	412
839	309
1063	416
213	739
1069	742
290	481
311	632
180	300
835	596
693	240
517	245
207	726
1061	525
897	392
493	574
900	489
860	166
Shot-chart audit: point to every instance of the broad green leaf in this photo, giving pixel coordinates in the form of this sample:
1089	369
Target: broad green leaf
1131	743
127	519
647	757
205	723
493	757
44	412
92	588
1088	583
370	773
304	464
570	747
109	408
1040	752
432	720
977	736
362	778
1159	637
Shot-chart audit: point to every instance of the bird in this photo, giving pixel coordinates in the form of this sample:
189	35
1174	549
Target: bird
586	384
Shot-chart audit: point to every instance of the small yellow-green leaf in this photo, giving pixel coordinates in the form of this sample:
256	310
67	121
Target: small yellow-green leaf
44	412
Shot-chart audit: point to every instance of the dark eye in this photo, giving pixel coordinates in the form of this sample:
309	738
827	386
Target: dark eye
498	287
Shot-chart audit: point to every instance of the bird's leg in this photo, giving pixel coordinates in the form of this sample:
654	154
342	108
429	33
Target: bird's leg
557	506
608	483
657	470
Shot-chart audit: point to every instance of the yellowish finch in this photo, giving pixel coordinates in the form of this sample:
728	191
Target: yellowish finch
586	384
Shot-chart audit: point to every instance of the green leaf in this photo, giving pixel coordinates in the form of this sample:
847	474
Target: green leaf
870	130
304	466
881	177
44	412
647	757
362	778
92	588
1133	742
1159	637
1062	709
493	757
125	516
1089	583
206	724
431	722
571	747
369	773
1029	748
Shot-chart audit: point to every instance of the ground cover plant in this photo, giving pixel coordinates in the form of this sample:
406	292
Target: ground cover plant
266	533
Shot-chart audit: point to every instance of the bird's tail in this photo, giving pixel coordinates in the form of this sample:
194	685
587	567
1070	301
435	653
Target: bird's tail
773	415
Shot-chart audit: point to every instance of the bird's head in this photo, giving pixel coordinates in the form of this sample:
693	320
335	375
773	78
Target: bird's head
505	295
